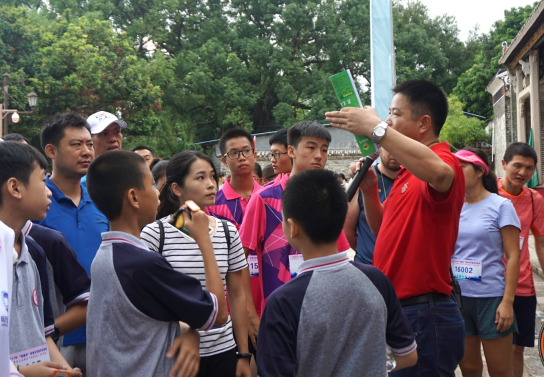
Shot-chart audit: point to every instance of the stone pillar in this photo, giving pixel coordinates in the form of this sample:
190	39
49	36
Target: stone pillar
521	112
535	107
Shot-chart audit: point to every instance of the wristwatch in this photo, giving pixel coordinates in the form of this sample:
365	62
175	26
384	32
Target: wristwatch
379	132
243	355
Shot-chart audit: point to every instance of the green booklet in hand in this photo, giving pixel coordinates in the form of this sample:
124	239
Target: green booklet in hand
348	96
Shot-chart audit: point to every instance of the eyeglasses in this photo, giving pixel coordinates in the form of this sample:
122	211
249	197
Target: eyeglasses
275	156
235	155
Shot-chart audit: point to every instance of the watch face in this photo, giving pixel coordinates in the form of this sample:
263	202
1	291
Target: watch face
380	131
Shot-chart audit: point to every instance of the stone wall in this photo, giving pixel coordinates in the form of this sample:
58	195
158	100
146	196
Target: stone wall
502	134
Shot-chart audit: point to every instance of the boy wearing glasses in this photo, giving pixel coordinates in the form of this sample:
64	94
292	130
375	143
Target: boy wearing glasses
239	156
281	163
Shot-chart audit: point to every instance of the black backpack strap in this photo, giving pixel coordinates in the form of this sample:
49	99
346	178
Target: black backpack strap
227	233
161	235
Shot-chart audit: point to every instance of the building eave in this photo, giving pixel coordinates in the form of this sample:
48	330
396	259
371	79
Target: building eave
529	34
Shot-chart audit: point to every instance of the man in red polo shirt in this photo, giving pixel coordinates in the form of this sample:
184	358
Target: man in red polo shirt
418	224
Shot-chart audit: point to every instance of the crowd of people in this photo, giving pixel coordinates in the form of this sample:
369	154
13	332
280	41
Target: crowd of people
119	262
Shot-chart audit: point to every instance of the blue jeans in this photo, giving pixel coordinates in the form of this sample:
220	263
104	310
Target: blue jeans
439	330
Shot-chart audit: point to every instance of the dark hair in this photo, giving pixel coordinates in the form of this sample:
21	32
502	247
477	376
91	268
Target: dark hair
425	98
52	131
159	170
110	176
306	128
177	170
15	137
317	201
18	160
221	174
141	148
257	169
154	162
519	149
268	173
490	180
232	134
279	137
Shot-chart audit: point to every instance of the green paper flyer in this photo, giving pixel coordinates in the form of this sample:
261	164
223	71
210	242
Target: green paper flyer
348	96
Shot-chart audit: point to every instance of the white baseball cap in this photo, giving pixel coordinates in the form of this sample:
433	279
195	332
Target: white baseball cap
102	119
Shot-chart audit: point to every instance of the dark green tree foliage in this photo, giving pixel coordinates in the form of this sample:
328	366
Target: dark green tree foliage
79	66
471	85
183	71
428	48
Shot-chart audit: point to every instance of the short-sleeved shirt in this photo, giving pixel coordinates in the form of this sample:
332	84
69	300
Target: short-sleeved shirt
31	319
231	206
480	241
7	239
418	232
365	239
136	303
299	336
183	253
261	231
68	283
529	206
82	227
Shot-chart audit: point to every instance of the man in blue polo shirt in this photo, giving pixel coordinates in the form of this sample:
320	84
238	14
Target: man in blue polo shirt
66	140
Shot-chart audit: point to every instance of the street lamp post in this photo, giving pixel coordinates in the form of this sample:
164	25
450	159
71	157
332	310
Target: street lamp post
4	111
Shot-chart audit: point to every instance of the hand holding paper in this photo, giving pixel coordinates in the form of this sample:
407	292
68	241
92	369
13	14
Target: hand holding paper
355	120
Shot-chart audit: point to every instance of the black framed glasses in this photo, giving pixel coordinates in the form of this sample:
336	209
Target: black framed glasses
235	155
276	155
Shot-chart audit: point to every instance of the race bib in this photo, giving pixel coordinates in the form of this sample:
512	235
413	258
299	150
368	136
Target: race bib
521	242
467	269
253	264
31	356
294	264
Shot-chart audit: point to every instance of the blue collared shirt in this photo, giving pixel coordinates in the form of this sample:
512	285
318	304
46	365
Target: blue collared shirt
82	226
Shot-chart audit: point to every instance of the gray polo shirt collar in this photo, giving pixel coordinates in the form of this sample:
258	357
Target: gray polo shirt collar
116	237
324	263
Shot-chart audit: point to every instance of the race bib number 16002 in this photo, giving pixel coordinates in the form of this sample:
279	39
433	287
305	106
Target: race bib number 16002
467	269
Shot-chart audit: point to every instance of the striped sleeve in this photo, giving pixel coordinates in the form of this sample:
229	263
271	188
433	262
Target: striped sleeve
237	260
150	235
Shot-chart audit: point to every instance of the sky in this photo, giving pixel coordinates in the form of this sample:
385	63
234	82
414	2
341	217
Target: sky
471	12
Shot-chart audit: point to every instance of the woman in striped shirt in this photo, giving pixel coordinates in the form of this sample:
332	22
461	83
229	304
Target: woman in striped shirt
191	175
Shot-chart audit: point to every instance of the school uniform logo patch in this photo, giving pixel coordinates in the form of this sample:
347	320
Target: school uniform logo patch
35	297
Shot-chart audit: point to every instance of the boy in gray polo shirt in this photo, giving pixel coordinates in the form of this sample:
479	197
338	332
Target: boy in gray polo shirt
137	299
335	318
24	196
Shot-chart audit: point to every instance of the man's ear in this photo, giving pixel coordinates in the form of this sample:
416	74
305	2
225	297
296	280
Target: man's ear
176	190
50	151
425	123
132	198
503	165
294	228
224	161
291	151
13	188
